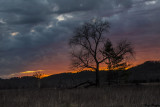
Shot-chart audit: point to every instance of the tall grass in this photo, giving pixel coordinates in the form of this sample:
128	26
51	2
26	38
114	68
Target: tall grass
113	96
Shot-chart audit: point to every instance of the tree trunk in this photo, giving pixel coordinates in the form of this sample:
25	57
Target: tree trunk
97	76
39	83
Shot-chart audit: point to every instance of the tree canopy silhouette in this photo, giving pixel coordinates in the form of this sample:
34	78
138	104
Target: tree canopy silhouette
117	56
87	44
117	59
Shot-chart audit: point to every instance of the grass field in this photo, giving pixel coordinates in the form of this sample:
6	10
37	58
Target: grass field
113	96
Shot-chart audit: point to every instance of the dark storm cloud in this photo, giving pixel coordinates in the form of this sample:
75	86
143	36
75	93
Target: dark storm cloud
32	30
67	6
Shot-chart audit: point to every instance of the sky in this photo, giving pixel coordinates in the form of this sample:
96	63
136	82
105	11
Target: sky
34	34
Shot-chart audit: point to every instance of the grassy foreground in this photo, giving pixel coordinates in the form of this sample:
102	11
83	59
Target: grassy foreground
115	96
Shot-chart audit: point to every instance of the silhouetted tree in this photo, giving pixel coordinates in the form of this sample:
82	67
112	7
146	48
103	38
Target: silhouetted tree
87	44
38	75
117	58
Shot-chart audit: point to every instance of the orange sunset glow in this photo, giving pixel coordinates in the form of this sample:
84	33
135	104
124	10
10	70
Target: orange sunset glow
51	68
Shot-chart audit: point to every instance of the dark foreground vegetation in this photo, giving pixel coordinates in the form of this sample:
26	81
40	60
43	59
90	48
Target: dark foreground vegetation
112	96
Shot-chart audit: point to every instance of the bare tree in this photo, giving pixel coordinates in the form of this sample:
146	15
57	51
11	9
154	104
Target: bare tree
87	45
38	75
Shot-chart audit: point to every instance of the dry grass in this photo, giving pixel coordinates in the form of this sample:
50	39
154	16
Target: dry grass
115	96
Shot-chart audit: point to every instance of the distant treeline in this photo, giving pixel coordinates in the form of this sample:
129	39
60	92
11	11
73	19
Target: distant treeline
146	72
64	80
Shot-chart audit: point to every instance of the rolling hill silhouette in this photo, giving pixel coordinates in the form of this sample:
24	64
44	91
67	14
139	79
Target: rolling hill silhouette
149	71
